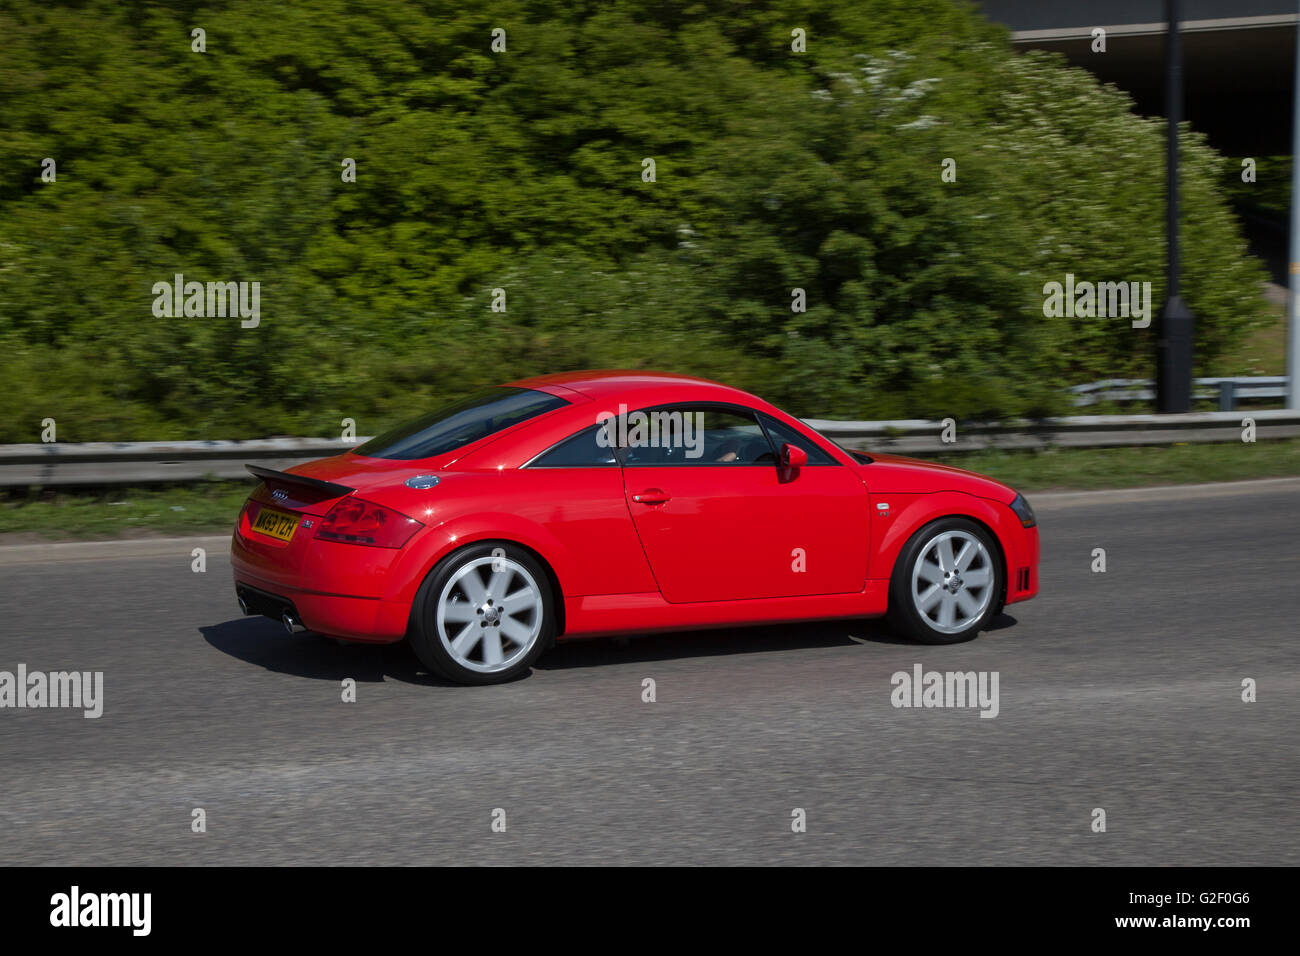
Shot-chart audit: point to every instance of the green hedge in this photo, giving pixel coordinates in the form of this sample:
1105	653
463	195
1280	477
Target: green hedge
522	170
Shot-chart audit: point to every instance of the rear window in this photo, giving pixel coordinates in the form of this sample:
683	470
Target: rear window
461	423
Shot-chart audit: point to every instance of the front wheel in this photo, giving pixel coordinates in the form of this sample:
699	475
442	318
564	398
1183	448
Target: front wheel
946	582
483	615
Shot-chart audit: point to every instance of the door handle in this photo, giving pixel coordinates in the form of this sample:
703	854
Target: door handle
651	496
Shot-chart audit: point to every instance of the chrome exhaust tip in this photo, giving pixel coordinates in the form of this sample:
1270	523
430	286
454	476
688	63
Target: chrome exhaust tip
291	623
243	606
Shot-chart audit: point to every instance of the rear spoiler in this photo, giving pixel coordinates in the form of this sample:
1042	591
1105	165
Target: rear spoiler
316	484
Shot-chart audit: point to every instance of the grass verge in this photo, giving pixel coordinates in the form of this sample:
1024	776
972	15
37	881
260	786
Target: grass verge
56	514
1084	469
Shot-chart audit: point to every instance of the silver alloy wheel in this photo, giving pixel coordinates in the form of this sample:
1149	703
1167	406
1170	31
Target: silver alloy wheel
952	581
489	614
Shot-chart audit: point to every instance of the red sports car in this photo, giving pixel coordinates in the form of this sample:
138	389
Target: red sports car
597	503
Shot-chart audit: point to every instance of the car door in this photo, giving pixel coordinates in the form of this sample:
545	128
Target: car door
720	520
576	494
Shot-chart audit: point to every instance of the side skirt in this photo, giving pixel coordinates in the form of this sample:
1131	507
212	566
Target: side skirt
607	614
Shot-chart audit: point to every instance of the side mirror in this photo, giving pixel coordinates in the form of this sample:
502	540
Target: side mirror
792	456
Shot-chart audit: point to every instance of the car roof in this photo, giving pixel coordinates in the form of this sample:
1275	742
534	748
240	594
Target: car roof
597	384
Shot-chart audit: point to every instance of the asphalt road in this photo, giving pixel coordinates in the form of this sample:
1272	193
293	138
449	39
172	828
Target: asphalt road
1119	691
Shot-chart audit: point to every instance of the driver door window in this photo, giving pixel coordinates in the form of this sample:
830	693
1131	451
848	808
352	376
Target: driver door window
692	436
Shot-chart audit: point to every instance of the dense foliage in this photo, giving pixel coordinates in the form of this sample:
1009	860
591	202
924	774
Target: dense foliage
522	170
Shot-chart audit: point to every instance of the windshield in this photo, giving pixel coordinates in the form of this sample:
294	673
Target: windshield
460	423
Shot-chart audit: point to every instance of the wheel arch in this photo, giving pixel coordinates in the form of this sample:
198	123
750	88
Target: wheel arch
552	578
926	510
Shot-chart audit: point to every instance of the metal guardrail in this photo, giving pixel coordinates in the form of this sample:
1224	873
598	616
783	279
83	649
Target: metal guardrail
1228	390
1077	431
154	462
142	463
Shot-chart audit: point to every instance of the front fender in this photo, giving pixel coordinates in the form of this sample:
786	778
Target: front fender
908	513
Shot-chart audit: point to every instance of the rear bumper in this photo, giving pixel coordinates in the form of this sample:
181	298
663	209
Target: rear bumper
269	588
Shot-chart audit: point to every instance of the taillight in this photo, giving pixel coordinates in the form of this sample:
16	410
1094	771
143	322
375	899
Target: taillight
355	521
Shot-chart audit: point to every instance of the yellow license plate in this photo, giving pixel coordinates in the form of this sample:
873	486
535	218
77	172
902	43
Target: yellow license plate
276	523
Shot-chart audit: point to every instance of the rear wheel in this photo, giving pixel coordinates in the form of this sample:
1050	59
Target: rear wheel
946	582
483	615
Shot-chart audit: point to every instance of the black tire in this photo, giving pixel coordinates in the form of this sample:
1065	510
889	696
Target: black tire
903	615
432	646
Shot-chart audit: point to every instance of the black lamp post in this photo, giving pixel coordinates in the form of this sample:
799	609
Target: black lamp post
1176	325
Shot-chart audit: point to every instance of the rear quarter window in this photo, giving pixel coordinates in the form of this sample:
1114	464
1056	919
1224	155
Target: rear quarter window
586	449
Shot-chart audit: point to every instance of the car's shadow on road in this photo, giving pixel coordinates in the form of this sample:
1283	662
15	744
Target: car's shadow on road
263	643
636	649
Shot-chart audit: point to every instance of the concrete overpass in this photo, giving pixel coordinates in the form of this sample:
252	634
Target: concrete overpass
1238	56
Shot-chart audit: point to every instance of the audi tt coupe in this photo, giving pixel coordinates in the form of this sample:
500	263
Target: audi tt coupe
596	503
